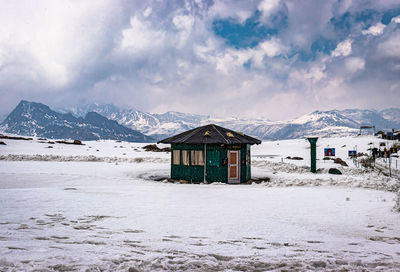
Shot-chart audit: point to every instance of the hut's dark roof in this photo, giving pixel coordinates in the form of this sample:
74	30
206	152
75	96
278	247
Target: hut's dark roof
210	134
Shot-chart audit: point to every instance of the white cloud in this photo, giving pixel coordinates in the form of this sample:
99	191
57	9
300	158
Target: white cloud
232	58
272	47
140	36
306	21
396	19
240	10
184	23
268	7
315	73
390	47
269	48
331	90
164	55
342	49
375	30
395	88
354	64
55	36
206	51
147	12
344	6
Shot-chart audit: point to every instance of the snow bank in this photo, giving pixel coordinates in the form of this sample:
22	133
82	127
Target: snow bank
116	225
386	184
91	208
90	158
287	174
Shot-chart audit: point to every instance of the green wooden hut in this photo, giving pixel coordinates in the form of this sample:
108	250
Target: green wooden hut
211	154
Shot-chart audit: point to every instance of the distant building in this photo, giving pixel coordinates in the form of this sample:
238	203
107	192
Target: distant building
391	135
212	154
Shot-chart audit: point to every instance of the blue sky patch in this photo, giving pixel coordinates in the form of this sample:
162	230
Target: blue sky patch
246	35
344	24
388	15
323	45
247	64
367	17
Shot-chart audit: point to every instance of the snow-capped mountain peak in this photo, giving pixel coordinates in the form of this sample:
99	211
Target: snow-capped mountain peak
318	123
29	118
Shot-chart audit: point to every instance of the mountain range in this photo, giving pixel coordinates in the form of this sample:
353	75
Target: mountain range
36	119
97	121
317	123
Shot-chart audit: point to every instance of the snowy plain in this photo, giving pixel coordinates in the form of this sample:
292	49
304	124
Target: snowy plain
97	207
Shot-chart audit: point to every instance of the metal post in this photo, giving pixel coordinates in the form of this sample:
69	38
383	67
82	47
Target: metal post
313	151
373	146
357	162
205	163
375	156
390	165
393	137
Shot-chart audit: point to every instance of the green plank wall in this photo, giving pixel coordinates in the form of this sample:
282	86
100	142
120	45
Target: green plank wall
216	170
187	172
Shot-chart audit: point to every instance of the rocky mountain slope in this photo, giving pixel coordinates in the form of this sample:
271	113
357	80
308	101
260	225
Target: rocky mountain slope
36	119
95	121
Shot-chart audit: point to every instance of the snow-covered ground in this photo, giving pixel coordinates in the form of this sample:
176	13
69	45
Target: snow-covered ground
94	208
268	158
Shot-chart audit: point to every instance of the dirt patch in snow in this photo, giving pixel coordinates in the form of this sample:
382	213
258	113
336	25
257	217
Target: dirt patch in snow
14	138
155	148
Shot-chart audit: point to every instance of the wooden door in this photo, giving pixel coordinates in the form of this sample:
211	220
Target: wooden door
233	166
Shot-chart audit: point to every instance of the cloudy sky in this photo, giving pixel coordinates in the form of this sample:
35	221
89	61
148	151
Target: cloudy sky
273	58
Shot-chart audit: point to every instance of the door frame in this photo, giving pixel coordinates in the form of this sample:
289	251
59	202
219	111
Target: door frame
235	180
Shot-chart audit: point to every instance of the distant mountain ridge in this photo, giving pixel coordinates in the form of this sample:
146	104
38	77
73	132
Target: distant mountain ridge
37	119
317	123
157	126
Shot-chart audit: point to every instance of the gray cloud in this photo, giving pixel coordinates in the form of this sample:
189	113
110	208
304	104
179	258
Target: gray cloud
159	56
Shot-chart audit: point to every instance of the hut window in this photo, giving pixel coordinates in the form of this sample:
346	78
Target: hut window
197	157
185	157
176	157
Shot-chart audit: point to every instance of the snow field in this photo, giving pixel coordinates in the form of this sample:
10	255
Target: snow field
68	213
